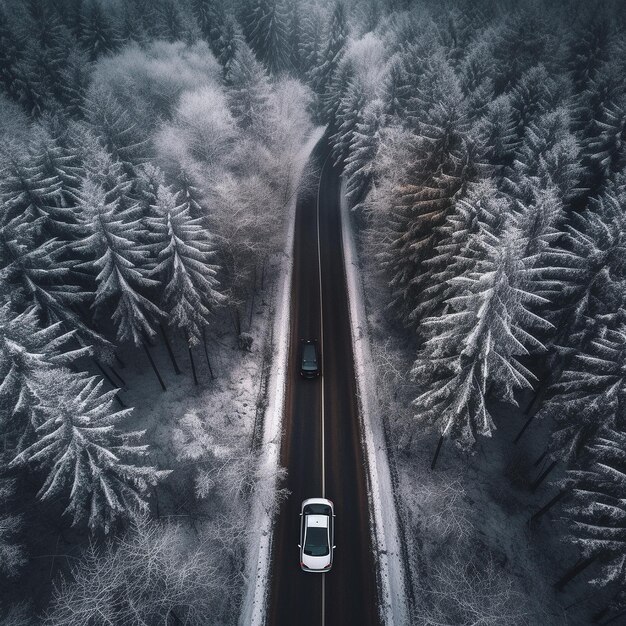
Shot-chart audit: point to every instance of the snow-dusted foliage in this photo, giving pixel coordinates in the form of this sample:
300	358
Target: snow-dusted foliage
475	346
144	578
108	247
590	394
85	457
27	352
184	255
596	509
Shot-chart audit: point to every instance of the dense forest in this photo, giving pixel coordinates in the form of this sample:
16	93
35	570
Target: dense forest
146	160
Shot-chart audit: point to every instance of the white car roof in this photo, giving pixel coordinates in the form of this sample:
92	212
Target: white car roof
320	521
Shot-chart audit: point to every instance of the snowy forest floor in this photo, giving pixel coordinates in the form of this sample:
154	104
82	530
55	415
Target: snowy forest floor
472	555
189	428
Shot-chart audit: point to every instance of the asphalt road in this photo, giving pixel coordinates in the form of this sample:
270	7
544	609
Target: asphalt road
347	594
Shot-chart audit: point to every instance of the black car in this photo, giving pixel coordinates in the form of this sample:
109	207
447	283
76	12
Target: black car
309	359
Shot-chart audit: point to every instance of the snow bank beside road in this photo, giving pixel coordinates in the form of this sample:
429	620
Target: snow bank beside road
259	548
391	574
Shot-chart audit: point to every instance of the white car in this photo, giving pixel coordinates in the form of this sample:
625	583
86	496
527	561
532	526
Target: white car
317	535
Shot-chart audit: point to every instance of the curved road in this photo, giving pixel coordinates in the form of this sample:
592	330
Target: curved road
347	594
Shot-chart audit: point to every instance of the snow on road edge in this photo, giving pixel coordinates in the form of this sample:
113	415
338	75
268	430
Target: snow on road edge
259	548
394	609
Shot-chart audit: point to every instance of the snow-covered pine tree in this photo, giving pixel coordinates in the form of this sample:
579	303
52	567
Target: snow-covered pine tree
12	554
113	127
589	47
294	38
349	116
523	40
39	276
26	350
98	165
248	90
110	252
268	36
331	53
52	151
548	157
210	16
607	149
484	210
85	453
184	256
445	159
498	133
585	277
98	36
596	508
590	394
311	42
476	345
170	20
360	165
10	52
29	194
227	42
190	194
533	95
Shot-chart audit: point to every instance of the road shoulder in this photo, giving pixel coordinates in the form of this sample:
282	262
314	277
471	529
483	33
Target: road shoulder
391	575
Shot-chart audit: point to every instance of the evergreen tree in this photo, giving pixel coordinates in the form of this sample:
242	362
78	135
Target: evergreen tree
590	394
227	42
478	343
533	95
332	51
112	125
360	164
497	131
85	454
39	276
27	350
311	42
12	554
30	195
10	52
248	90
596	508
445	160
349	116
98	36
482	213
110	252
184	267
586	274
268	33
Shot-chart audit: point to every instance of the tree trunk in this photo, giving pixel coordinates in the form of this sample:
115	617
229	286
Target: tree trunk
437	451
542	476
105	373
580	566
169	350
251	309
117	375
113	383
541	457
544	509
206	353
525	426
154	367
236	320
193	365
